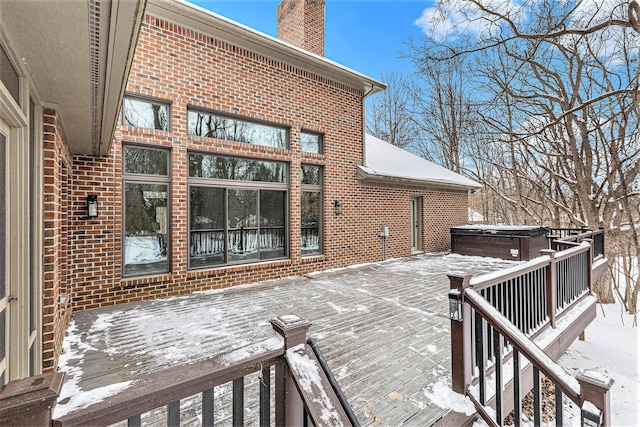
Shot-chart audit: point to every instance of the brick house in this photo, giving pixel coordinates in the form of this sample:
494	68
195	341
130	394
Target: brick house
227	157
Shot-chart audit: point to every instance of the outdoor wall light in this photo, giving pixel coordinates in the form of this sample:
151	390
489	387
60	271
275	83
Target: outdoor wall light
591	416
92	206
455	305
337	206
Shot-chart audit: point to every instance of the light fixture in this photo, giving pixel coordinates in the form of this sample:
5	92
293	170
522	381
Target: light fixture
455	305
337	206
92	206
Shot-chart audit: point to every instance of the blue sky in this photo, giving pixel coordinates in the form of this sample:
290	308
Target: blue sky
365	35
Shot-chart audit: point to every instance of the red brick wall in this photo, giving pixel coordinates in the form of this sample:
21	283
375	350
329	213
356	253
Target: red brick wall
56	311
301	23
189	69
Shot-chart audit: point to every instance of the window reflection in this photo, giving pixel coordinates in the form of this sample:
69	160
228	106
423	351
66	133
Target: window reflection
146	226
212	126
145	114
310	142
234	168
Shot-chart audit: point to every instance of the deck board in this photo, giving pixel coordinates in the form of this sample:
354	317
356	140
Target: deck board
383	329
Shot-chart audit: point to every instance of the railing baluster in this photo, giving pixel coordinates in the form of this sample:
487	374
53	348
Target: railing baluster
537	398
558	407
497	348
173	413
512	299
526	303
207	408
517	397
134	421
265	392
238	402
519	301
481	356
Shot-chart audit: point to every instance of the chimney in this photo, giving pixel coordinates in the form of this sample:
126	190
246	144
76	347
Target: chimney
301	23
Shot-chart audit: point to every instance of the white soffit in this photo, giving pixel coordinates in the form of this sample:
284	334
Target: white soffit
78	54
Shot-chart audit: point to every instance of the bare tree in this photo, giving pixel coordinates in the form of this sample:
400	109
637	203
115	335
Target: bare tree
389	114
444	110
558	83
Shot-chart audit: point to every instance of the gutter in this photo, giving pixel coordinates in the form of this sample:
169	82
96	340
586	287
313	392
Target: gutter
388	179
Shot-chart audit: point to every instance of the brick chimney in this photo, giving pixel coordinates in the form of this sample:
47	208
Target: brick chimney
301	23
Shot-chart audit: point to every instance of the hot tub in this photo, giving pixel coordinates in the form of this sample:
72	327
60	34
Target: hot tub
515	242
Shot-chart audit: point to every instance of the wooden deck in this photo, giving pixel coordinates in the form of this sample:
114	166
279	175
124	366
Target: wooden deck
383	329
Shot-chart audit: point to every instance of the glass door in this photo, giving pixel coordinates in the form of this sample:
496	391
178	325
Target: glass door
416	224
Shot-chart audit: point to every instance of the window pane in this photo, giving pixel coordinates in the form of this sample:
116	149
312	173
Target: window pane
310	223
310	142
9	76
218	167
229	129
272	222
207	226
311	175
146	229
145	161
145	114
242	225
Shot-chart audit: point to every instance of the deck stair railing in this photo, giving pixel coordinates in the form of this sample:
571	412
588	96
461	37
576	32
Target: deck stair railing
497	319
288	374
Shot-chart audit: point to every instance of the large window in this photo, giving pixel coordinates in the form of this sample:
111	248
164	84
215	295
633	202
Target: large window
146	211
311	208
145	114
237	210
232	129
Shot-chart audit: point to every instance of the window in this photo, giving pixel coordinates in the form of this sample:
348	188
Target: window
237	210
230	129
311	142
146	211
311	221
145	114
9	75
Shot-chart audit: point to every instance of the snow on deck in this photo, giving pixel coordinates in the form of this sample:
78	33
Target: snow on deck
382	327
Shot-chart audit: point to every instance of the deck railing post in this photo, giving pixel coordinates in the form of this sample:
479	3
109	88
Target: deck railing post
461	339
550	285
594	388
30	401
289	410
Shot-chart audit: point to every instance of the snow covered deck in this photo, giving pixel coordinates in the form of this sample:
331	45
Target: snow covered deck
383	328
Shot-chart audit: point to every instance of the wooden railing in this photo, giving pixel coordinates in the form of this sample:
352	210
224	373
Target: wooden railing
508	340
301	392
563	238
504	312
211	242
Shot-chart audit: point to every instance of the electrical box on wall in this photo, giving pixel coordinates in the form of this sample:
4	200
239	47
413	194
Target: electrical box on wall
385	231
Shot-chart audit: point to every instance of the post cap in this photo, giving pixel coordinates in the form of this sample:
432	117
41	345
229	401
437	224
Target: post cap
292	327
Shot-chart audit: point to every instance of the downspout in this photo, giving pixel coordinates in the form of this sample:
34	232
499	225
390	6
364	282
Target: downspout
364	125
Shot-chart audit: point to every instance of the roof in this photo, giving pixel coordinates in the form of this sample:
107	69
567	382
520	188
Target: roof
386	162
209	23
77	55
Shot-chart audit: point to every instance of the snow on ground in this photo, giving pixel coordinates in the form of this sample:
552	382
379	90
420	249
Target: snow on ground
611	347
71	396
